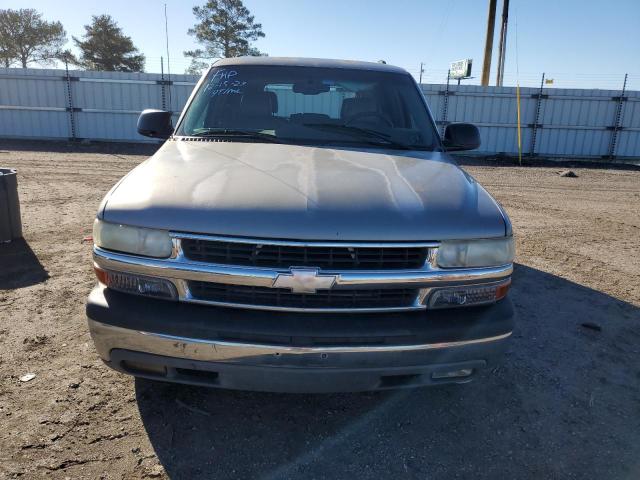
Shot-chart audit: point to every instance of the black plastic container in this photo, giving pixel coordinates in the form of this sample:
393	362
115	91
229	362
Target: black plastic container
10	223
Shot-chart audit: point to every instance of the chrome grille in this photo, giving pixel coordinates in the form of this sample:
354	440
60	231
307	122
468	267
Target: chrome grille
285	256
322	299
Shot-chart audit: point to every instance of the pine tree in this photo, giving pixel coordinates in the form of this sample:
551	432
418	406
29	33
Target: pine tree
105	47
25	37
225	28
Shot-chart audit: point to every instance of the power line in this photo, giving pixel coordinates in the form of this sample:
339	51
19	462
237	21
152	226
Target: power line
438	33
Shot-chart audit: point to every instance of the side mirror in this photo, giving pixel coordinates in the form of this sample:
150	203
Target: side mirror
461	136
155	123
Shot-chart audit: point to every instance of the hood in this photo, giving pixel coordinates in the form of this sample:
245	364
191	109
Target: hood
304	193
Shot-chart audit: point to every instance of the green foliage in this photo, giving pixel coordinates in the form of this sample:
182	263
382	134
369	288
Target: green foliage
197	65
225	28
104	47
25	38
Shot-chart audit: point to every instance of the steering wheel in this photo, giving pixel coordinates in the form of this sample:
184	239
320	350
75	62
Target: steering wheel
377	115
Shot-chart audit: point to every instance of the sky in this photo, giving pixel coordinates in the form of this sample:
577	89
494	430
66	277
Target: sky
577	43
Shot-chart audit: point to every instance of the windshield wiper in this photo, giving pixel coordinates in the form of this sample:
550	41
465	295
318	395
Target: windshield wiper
364	134
232	132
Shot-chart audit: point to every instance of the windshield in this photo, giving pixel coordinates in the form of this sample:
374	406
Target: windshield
309	105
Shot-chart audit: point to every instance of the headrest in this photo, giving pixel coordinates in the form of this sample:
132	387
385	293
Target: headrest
274	101
257	104
354	106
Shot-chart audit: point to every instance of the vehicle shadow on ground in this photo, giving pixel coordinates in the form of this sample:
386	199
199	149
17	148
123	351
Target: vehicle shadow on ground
19	266
564	403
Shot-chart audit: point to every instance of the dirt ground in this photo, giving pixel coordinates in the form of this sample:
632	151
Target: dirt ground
564	404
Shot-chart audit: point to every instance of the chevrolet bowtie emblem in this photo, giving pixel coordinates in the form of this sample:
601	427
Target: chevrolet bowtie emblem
304	280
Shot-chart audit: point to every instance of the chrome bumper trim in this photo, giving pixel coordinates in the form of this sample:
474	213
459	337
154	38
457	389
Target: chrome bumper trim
189	298
108	337
181	269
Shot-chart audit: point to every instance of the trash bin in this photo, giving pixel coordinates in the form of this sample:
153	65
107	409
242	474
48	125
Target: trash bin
10	223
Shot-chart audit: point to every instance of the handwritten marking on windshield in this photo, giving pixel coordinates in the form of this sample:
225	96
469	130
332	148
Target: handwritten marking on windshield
225	91
224	83
223	75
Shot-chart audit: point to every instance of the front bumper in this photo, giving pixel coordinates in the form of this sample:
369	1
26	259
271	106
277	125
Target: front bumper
293	352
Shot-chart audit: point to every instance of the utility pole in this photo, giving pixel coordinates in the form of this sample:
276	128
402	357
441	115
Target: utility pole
488	45
421	72
502	50
166	34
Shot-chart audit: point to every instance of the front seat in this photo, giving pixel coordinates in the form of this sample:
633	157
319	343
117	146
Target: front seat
352	107
256	110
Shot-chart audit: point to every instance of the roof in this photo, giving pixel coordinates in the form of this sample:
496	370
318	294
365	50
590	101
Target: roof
309	62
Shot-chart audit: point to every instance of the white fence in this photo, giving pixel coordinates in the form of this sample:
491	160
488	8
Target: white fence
554	122
54	104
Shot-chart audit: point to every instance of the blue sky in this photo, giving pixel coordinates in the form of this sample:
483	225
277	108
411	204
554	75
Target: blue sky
578	43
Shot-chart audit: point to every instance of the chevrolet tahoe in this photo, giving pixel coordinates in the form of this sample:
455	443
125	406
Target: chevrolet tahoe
302	229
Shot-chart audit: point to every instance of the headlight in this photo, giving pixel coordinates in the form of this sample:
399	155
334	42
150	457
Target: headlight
135	240
476	253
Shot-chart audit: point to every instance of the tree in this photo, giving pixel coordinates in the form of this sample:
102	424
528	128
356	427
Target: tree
7	53
225	29
105	47
197	66
25	38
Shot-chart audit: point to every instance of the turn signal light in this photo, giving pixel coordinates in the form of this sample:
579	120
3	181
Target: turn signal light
470	295
137	284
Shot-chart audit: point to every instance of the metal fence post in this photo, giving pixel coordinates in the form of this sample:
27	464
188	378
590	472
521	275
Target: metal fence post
617	124
70	107
536	119
445	105
165	84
